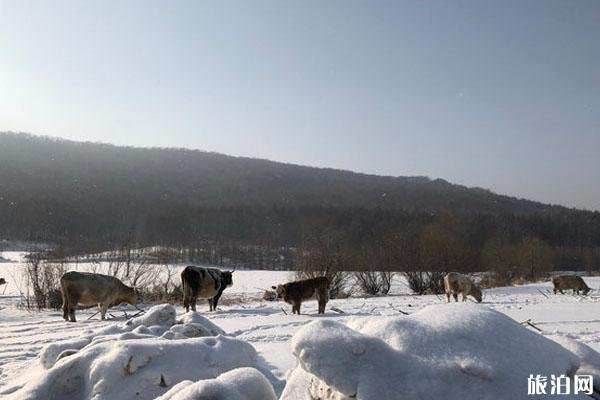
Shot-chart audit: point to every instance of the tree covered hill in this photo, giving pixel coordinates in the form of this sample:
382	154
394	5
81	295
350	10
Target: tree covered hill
64	171
61	191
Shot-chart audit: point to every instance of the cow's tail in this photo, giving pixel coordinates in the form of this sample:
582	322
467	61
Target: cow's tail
65	298
189	281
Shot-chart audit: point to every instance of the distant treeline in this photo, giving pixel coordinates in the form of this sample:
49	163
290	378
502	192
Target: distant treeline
86	197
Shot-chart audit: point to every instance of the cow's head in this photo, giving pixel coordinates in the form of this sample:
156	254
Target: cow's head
130	295
280	290
227	277
586	290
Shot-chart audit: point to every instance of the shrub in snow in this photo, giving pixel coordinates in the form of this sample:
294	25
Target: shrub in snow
456	351
144	369
238	384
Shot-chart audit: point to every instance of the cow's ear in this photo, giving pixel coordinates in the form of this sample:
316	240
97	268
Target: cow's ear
274	287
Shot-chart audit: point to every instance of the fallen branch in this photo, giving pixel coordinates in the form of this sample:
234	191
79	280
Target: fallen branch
92	316
140	312
337	310
397	309
529	323
544	294
284	311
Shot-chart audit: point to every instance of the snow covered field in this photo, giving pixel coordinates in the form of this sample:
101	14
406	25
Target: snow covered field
269	330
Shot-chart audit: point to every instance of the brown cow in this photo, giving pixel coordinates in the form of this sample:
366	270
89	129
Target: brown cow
87	289
295	292
574	282
455	283
2	281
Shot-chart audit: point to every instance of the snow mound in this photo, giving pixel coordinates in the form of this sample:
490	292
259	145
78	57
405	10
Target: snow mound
193	324
163	315
49	354
144	369
588	357
468	351
158	321
238	384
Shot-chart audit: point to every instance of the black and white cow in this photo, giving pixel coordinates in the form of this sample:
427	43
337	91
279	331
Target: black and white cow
204	283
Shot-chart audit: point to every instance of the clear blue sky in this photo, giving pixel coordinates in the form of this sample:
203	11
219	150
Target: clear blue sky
498	94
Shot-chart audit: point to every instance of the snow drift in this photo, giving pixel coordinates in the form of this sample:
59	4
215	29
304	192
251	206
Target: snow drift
238	384
456	351
157	321
144	358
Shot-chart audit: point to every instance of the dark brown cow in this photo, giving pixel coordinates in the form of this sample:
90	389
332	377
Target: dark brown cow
87	289
574	282
295	292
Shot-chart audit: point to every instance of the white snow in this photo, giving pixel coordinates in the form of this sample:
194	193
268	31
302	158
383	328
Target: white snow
31	341
238	384
129	360
469	351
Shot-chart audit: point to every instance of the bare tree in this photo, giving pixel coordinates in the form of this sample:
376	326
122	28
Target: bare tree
321	255
43	280
535	257
386	278
369	282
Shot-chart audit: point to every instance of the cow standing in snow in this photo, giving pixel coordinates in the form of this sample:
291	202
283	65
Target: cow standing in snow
87	289
204	283
295	292
564	282
455	283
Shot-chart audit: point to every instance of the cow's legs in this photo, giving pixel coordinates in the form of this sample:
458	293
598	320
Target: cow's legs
455	295
215	300
464	296
322	305
65	307
296	308
72	313
210	304
186	303
103	307
193	304
72	302
555	290
448	297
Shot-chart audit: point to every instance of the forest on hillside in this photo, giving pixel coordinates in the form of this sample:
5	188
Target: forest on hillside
242	212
